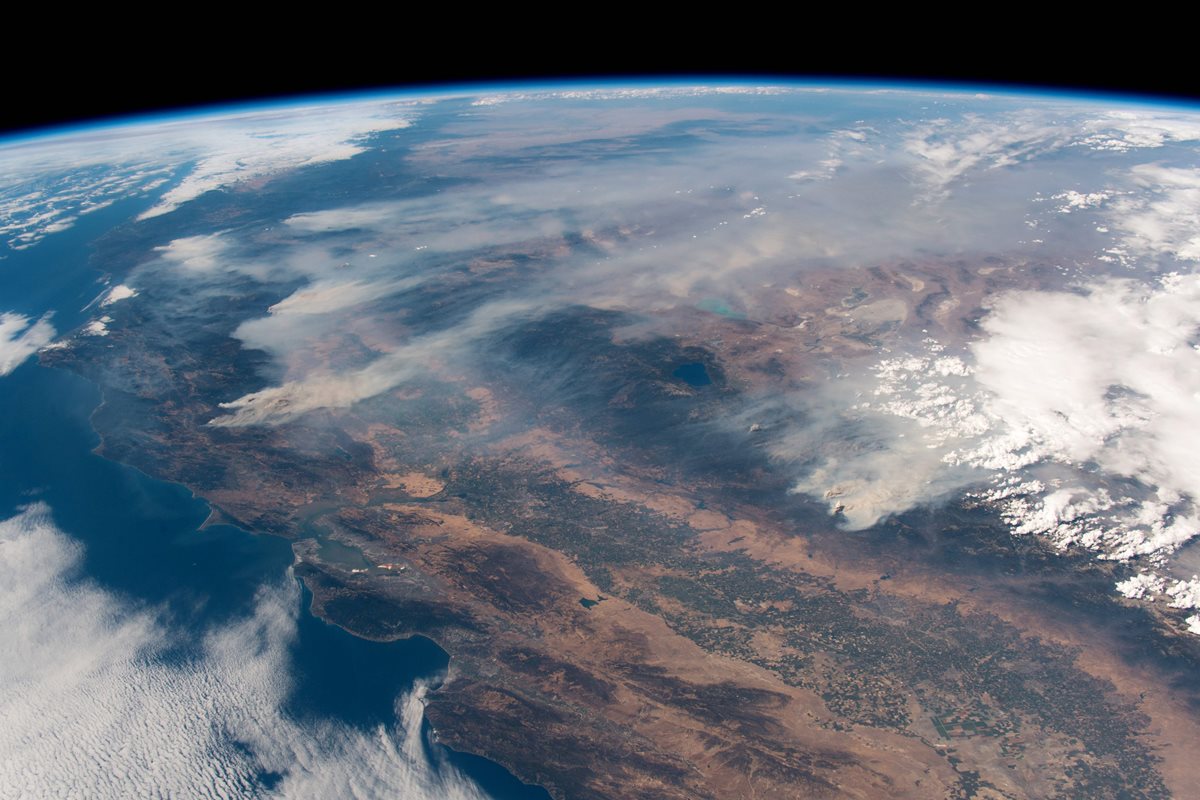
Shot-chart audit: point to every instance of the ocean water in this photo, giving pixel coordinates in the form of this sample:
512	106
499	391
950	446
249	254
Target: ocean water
142	538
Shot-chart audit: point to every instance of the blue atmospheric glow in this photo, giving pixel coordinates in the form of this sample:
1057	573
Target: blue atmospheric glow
964	89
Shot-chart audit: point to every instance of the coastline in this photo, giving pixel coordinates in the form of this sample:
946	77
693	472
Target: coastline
216	516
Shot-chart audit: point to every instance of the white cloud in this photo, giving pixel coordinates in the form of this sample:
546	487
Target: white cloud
102	698
118	293
1163	218
21	337
97	327
1077	412
1142	585
1185	594
1073	200
1110	377
1122	131
44	189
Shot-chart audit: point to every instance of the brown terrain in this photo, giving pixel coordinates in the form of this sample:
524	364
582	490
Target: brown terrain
633	604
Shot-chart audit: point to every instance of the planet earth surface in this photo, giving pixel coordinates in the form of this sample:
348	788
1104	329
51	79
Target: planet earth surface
599	441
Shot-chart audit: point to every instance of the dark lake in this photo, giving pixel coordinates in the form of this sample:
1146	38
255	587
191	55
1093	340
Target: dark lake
694	374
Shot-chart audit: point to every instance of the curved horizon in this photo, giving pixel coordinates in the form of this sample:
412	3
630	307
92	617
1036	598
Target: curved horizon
429	90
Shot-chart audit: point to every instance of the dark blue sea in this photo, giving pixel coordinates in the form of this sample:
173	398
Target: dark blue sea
142	536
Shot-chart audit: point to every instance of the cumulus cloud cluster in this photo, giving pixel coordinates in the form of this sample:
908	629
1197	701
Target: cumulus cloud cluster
98	692
1128	129
1163	217
46	189
1076	412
